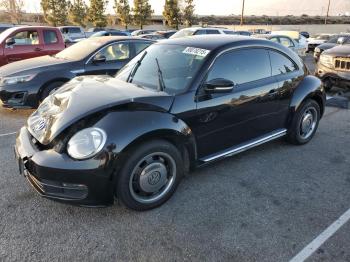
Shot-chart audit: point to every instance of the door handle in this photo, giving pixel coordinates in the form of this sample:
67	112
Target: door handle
37	49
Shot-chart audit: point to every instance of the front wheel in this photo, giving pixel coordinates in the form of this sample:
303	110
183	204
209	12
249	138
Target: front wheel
50	89
304	123
150	175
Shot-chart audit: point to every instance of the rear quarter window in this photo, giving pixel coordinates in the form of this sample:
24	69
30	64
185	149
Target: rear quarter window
281	64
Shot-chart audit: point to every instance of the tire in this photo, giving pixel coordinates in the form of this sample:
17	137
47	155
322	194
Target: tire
150	175
328	84
50	88
304	123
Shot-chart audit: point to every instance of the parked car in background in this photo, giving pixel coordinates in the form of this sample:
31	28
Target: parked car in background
166	34
334	41
317	40
72	32
305	34
285	41
301	47
93	30
258	31
3	27
26	83
154	36
142	32
333	67
23	42
180	104
201	31
109	33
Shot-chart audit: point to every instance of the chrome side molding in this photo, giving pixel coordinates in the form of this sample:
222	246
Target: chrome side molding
245	146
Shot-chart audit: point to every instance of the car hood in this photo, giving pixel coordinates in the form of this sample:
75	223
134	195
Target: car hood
32	64
84	96
340	50
326	46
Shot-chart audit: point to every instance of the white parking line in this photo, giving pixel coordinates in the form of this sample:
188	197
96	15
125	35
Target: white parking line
8	134
323	237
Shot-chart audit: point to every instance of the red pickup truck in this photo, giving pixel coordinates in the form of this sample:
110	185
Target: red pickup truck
18	43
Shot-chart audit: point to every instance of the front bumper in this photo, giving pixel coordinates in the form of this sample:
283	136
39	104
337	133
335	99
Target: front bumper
57	176
24	95
341	77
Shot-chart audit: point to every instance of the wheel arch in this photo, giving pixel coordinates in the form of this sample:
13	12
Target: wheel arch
309	88
47	83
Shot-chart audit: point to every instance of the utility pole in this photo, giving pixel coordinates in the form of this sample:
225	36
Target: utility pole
242	15
325	20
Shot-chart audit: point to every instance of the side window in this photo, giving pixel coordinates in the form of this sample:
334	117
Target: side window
281	64
274	39
74	30
27	37
140	46
286	42
50	37
213	32
242	66
200	32
116	51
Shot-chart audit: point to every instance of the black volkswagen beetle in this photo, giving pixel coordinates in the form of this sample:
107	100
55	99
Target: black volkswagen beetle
25	83
179	104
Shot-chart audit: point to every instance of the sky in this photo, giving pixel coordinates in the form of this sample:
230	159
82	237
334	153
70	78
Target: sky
252	7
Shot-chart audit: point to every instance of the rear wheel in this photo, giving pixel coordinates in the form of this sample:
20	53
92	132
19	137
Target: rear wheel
49	89
305	123
150	175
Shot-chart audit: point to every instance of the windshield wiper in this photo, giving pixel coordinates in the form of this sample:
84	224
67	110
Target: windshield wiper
161	85
136	66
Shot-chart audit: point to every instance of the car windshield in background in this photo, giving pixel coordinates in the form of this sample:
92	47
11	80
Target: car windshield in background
177	67
322	37
80	50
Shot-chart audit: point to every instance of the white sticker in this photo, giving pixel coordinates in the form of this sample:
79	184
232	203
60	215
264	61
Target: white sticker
196	51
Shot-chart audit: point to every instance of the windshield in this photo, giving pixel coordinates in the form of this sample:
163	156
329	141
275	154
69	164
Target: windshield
80	50
183	32
322	37
178	66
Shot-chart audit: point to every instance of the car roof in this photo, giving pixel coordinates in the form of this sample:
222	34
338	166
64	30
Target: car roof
211	42
107	39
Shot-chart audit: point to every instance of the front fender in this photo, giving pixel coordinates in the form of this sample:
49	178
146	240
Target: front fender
309	87
127	128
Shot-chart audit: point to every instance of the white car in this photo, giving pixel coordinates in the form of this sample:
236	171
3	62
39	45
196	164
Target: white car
72	32
300	42
317	40
202	31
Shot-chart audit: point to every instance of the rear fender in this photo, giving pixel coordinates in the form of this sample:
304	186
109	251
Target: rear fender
309	87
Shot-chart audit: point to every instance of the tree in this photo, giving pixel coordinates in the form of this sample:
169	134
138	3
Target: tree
77	11
122	9
142	12
188	13
55	11
172	13
96	13
14	9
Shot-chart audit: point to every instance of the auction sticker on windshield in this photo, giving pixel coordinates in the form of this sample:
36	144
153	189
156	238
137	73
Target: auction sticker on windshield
196	51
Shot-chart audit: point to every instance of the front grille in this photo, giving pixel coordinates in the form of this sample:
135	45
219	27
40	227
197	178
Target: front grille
342	63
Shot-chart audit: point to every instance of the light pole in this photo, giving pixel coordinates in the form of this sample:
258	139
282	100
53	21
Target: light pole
242	15
325	20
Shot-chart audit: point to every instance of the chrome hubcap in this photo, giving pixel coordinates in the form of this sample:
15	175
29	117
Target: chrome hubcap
152	177
308	123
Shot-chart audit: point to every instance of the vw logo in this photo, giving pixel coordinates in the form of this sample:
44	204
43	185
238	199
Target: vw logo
154	178
40	125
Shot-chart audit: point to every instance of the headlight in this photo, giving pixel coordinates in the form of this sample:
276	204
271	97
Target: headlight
16	79
86	143
326	60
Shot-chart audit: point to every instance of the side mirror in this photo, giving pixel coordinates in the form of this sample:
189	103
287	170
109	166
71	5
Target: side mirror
10	41
219	85
99	59
341	40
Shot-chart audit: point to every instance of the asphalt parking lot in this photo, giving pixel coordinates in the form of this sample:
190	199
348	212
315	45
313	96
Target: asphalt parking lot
266	204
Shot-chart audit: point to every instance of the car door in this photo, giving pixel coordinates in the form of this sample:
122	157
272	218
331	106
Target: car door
27	45
116	55
51	42
248	111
